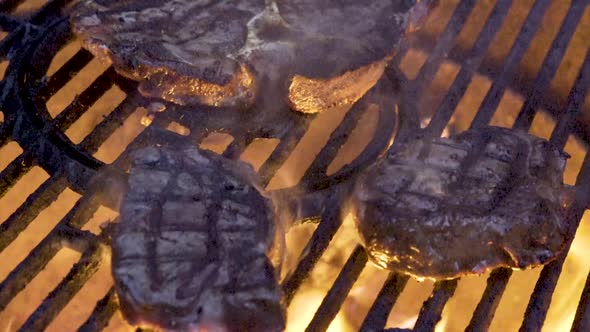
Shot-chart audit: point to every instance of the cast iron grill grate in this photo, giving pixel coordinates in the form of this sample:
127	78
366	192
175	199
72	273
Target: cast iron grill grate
32	42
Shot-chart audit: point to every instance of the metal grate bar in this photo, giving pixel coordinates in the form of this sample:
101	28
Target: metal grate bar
582	318
77	239
550	100
9	5
147	137
30	209
237	146
540	300
444	112
316	246
317	170
6	42
15	171
63	75
338	292
444	44
5	130
390	118
20	34
9	23
541	297
49	11
484	313
198	134
197	122
431	311
575	102
110	124
126	85
282	151
26	271
84	101
44	251
550	64
65	291
519	47
391	290
102	313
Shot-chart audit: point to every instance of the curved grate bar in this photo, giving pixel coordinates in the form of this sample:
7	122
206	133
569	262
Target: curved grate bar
316	177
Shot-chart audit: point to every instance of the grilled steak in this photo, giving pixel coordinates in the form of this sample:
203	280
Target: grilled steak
179	50
439	208
191	249
222	52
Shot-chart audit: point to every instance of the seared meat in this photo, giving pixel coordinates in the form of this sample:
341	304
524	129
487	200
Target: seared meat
179	50
222	52
191	249
439	208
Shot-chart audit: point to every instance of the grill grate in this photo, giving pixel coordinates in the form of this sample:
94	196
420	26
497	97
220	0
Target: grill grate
32	42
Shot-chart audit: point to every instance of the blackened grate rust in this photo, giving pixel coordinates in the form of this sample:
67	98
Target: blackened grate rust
32	42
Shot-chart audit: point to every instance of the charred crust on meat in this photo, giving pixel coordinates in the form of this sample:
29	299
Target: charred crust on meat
497	192
222	53
195	232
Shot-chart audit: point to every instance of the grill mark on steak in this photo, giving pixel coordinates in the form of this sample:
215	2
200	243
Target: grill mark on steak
211	258
513	178
502	197
480	143
193	226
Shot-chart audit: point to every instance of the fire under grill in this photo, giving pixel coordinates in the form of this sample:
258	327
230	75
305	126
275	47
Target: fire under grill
477	40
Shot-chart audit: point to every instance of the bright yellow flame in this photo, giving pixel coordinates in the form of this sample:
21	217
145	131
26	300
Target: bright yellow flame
302	309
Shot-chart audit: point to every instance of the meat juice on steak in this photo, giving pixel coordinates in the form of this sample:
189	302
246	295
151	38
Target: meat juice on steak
315	54
191	249
442	207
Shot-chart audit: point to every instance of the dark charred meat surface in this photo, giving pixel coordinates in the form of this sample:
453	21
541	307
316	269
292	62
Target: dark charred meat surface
337	35
439	208
221	53
191	249
179	50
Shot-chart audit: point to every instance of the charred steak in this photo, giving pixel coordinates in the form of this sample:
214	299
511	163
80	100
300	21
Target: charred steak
179	50
222	52
439	208
191	248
